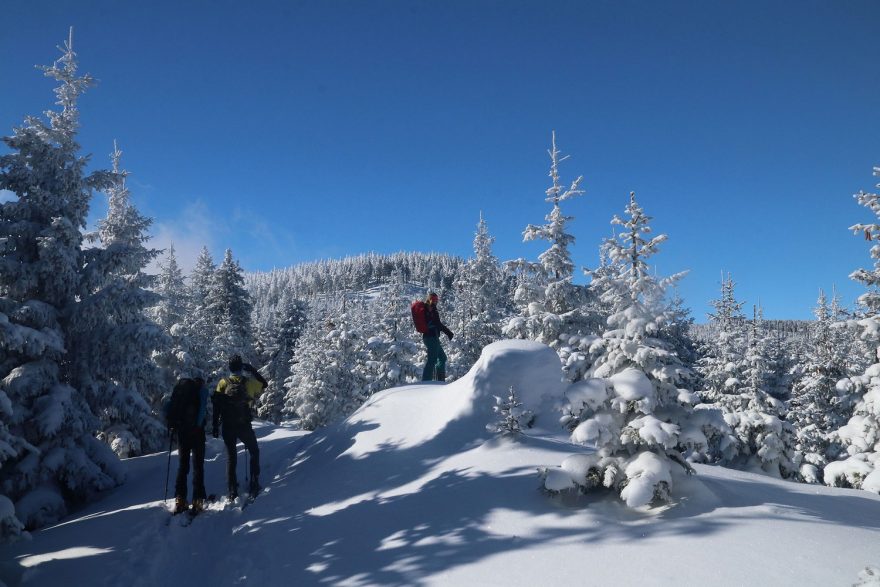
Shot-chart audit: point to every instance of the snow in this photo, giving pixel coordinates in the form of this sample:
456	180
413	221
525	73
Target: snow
632	385
412	490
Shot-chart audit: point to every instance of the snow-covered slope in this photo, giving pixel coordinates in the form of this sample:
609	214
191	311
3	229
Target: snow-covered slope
412	490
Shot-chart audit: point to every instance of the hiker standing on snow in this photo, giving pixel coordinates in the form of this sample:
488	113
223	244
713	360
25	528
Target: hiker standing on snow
233	402
186	410
435	365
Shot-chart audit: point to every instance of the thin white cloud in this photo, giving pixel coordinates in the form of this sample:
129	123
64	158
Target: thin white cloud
193	229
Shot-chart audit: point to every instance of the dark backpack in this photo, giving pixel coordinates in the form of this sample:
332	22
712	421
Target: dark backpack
236	391
419	316
184	407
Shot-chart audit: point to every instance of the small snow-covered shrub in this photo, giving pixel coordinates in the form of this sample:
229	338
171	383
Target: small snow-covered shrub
512	417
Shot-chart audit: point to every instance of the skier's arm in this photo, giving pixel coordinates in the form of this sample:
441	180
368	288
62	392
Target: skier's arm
256	374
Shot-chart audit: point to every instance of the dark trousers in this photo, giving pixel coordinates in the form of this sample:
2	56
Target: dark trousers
233	431
191	443
435	365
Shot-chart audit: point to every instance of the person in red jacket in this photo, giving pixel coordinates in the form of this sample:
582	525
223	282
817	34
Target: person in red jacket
435	365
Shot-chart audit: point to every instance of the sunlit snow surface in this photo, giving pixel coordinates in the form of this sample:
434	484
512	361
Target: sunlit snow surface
412	490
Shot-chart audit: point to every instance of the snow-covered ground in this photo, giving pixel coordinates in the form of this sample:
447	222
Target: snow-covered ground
413	490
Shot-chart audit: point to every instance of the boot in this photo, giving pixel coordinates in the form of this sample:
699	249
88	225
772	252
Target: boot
198	505
254	488
233	494
179	505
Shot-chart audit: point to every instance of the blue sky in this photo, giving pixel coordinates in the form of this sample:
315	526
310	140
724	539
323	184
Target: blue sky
292	131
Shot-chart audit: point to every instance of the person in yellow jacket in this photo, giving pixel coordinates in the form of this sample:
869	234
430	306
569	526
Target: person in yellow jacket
233	404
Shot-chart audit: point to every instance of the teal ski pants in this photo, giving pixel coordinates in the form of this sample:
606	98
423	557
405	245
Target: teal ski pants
435	365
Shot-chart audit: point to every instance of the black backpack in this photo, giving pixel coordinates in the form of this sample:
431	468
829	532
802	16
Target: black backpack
184	408
237	399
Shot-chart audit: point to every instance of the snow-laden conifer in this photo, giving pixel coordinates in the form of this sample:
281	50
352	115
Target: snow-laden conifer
551	305
765	437
391	348
861	434
112	338
280	343
229	310
170	314
634	405
326	381
512	417
482	302
815	407
49	456
724	352
199	323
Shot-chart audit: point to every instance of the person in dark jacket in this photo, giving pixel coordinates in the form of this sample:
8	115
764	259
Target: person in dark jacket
191	445
233	405
435	365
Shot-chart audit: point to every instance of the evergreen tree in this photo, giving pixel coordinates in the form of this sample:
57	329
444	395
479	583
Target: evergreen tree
171	315
390	353
551	305
861	434
815	403
200	323
718	365
229	309
482	302
112	337
757	418
281	341
49	455
325	381
635	407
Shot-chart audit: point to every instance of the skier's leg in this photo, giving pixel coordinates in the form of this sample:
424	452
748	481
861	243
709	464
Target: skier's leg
230	439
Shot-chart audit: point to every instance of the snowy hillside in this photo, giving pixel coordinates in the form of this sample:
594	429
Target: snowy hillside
413	490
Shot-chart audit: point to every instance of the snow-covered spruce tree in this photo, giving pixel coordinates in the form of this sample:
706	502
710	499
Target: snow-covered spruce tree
282	338
551	306
112	338
861	434
391	348
175	359
49	455
676	330
482	302
326	381
633	406
512	418
815	407
721	355
229	309
758	420
199	322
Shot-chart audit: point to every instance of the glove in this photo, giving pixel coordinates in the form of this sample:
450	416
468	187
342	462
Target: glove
449	333
215	432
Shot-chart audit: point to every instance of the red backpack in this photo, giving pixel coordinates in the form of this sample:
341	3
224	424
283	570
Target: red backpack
418	315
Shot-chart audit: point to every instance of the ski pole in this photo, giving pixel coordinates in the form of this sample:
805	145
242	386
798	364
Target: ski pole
168	469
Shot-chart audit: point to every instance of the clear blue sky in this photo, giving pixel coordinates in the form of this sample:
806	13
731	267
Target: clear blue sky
292	131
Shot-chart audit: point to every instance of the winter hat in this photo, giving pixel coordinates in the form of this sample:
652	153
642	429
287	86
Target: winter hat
235	363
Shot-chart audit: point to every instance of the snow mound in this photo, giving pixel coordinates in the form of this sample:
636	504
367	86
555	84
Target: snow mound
531	368
411	415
